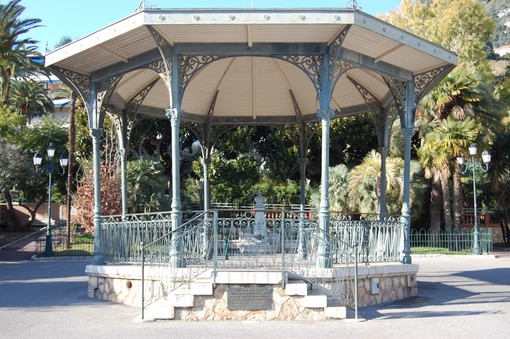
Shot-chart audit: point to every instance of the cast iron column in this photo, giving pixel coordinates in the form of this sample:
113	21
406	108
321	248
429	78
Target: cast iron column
96	134
176	259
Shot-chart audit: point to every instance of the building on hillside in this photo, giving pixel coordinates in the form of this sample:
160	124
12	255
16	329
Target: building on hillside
503	50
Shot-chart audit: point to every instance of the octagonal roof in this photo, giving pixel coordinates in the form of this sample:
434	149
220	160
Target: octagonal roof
256	73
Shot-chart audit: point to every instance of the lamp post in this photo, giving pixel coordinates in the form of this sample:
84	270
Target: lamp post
473	166
49	167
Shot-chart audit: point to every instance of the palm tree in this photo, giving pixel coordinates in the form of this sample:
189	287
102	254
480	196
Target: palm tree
455	96
338	188
447	140
30	97
365	182
146	184
15	50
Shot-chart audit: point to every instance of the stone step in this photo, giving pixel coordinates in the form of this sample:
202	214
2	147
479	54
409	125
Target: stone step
195	288
315	301
161	309
296	287
335	312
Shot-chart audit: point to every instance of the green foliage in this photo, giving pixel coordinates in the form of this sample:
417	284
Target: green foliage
279	147
147	185
365	183
461	26
10	124
83	145
358	189
48	131
285	192
232	180
15	166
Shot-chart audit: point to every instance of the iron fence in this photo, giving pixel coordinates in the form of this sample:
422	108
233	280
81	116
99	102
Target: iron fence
456	240
73	242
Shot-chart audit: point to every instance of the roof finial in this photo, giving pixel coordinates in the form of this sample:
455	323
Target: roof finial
141	6
353	4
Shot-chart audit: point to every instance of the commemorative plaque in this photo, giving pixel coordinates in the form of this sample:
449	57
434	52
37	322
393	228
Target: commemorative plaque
250	298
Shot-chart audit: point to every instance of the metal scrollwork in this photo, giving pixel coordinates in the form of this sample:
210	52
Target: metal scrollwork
81	81
105	90
310	64
423	80
134	104
370	99
189	65
158	67
166	50
337	65
398	89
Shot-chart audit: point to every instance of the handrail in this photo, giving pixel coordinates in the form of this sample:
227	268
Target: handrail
167	273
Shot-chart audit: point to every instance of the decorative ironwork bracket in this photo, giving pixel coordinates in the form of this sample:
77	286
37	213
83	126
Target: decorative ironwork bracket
80	82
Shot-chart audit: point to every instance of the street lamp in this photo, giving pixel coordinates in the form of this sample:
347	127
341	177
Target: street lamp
49	167
473	166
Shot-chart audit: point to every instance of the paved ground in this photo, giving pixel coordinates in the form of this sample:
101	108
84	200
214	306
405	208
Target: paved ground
459	297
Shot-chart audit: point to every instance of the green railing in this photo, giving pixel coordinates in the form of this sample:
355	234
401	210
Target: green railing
206	243
178	257
380	240
287	241
122	235
453	241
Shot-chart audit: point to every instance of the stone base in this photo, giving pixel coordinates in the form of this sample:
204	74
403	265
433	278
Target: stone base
298	300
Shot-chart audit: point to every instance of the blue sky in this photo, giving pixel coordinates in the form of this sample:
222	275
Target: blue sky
77	18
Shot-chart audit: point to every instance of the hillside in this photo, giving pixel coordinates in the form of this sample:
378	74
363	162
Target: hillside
499	10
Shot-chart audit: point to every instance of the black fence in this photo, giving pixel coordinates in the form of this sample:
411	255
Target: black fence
78	243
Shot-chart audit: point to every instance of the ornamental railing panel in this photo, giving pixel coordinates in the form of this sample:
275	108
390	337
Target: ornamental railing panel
122	235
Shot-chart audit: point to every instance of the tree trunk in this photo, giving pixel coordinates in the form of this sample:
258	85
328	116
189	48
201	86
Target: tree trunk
435	205
7	93
458	199
32	213
447	206
11	213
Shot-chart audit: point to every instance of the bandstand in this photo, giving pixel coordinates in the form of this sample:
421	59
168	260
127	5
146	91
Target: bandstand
217	69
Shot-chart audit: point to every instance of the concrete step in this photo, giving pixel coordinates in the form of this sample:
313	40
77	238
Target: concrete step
161	309
315	301
296	287
335	312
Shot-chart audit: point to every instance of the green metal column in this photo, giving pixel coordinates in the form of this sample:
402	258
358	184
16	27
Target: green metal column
384	149
301	251
123	140
96	134
408	132
176	260
206	231
325	114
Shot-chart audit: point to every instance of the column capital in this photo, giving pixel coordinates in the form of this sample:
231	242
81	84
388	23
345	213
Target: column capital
96	132
174	114
303	161
408	131
326	113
